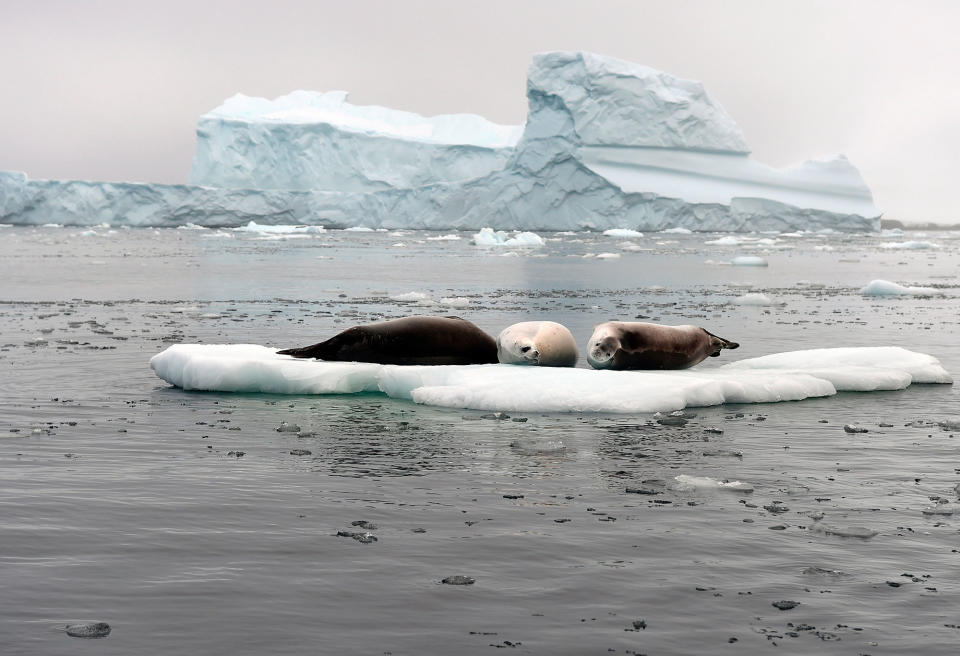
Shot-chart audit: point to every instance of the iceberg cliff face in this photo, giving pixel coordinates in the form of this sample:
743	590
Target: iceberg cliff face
607	144
319	141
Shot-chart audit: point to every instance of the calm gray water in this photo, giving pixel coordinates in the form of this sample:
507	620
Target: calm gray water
184	521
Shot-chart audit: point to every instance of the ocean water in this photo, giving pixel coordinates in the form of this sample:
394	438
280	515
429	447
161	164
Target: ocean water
191	525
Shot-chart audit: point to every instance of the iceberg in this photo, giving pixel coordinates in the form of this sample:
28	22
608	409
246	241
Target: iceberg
502	387
308	140
607	145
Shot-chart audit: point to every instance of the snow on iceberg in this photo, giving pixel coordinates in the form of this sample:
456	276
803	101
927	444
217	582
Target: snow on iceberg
780	377
607	145
887	288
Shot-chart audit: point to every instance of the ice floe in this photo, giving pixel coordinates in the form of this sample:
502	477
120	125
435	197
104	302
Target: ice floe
754	298
887	288
780	377
624	233
749	260
685	482
490	238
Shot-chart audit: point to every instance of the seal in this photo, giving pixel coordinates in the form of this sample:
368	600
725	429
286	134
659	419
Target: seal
640	345
407	341
544	343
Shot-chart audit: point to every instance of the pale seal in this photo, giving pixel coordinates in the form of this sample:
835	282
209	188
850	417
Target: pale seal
407	341
639	345
543	343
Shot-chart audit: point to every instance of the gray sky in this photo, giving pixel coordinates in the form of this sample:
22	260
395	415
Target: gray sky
111	90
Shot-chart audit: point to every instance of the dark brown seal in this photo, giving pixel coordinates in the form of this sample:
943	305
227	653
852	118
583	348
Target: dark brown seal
640	345
408	341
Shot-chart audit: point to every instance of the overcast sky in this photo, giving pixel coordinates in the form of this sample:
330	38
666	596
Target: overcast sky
111	90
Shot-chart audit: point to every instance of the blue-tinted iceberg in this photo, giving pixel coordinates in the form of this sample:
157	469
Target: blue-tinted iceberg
607	145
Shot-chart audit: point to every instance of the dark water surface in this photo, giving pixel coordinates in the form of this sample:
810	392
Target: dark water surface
184	521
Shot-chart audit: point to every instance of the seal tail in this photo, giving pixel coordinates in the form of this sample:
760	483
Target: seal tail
720	343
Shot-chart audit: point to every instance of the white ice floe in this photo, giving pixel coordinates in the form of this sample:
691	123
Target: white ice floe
455	301
685	482
724	241
624	233
488	237
754	299
749	260
608	256
253	226
779	377
678	231
444	238
909	245
887	288
410	297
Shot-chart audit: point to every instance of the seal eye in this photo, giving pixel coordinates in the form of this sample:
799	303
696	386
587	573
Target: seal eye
524	349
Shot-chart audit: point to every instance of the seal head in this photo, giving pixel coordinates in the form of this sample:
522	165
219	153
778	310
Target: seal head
543	343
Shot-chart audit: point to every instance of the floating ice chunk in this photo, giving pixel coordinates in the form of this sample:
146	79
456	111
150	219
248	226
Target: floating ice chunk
634	248
724	241
685	482
410	297
860	532
678	231
909	245
488	237
536	446
608	256
749	260
455	301
623	233
253	226
887	288
892	232
855	369
780	377
358	229
754	299
444	238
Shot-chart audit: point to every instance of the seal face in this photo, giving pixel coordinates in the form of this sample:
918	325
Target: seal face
640	345
417	340
543	343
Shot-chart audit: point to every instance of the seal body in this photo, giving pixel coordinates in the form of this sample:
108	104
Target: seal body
407	341
640	345
544	343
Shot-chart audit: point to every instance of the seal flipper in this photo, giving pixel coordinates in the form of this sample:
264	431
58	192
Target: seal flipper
320	351
719	343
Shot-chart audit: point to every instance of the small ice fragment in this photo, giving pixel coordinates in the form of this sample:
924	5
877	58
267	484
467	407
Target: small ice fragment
624	233
686	482
754	299
724	241
410	297
887	288
749	260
